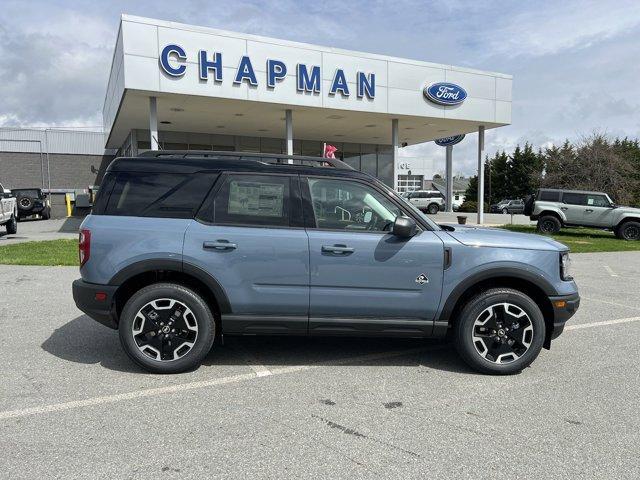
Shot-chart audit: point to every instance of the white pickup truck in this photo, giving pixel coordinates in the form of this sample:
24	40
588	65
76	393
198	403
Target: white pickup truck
8	211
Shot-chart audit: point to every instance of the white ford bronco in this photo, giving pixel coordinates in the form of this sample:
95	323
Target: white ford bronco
8	211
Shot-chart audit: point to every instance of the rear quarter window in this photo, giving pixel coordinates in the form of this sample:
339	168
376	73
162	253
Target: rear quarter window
161	195
547	196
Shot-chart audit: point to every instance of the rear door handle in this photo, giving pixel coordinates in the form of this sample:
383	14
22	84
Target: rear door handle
564	208
219	245
589	210
342	249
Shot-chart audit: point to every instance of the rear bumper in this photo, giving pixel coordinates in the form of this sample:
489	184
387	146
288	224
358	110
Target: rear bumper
564	307
102	311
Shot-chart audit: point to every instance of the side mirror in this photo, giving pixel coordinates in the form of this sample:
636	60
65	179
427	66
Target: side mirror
404	227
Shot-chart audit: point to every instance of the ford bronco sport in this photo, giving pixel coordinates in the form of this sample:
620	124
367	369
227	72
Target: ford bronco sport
554	209
183	247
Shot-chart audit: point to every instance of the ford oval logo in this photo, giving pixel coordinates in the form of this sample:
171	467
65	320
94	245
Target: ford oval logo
444	93
448	141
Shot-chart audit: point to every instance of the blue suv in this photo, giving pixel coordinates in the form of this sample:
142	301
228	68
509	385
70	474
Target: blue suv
184	247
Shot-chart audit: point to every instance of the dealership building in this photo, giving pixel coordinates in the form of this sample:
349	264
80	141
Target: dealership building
177	86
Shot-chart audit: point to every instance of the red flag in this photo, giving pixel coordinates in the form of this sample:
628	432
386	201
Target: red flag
329	151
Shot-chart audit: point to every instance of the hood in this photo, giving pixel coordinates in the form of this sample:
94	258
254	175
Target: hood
497	237
633	210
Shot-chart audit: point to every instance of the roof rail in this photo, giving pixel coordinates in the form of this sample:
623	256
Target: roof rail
265	158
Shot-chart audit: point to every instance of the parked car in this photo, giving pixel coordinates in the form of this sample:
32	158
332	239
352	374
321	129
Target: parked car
511	206
555	209
428	201
497	207
182	248
8	211
32	201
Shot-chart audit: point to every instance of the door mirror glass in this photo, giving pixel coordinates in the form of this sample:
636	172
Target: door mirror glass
404	227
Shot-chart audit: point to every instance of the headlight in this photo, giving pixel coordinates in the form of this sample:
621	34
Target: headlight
565	266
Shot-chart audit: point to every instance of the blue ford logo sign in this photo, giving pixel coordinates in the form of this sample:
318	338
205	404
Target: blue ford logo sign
444	93
448	141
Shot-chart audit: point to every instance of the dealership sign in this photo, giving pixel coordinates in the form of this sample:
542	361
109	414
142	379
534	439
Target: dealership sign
173	62
449	141
444	93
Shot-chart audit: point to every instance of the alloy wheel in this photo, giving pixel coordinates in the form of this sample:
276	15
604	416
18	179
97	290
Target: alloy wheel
165	329
632	232
502	333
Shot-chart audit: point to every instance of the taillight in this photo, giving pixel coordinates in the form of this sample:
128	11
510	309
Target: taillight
84	246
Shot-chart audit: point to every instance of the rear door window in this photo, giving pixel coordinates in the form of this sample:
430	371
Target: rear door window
253	200
574	198
158	194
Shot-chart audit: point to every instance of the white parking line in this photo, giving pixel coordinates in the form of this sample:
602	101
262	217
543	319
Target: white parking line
610	271
152	392
578	326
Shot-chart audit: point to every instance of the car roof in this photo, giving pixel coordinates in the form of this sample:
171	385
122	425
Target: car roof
190	161
571	191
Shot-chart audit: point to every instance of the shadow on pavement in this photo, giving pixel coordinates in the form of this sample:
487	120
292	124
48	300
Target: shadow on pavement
83	340
71	225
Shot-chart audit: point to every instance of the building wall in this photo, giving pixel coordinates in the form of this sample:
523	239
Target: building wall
68	171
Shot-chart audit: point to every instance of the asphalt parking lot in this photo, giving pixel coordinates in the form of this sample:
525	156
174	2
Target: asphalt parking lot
73	406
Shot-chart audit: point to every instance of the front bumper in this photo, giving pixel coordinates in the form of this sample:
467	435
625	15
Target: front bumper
103	311
564	307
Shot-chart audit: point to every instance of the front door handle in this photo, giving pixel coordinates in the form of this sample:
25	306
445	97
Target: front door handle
589	210
342	249
219	245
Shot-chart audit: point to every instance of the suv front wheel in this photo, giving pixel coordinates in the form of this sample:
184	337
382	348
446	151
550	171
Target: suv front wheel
167	328
499	331
628	231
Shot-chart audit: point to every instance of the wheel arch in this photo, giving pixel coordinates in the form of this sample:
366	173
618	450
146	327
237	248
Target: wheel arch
626	219
559	215
534	286
146	272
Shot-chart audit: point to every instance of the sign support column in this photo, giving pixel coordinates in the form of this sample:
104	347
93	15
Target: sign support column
395	151
449	176
153	122
289	124
480	175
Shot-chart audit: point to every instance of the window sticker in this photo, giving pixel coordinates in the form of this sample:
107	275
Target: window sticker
590	201
256	199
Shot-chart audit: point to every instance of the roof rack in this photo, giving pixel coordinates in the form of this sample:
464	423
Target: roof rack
264	158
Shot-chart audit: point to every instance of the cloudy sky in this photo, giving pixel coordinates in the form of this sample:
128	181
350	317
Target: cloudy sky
576	64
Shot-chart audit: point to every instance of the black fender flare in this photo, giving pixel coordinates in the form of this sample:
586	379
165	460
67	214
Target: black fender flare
174	265
503	271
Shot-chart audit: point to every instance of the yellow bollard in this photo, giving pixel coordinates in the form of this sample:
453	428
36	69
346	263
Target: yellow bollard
67	199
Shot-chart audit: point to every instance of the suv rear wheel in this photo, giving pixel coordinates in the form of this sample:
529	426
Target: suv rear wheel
499	331
549	224
433	208
167	328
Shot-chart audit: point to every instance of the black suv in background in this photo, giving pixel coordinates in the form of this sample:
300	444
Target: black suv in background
32	201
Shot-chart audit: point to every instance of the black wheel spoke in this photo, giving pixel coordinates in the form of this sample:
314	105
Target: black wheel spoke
164	329
502	333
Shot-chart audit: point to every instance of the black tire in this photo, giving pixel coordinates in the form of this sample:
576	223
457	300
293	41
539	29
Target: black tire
202	318
549	224
12	226
629	231
433	208
25	203
466	328
505	211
